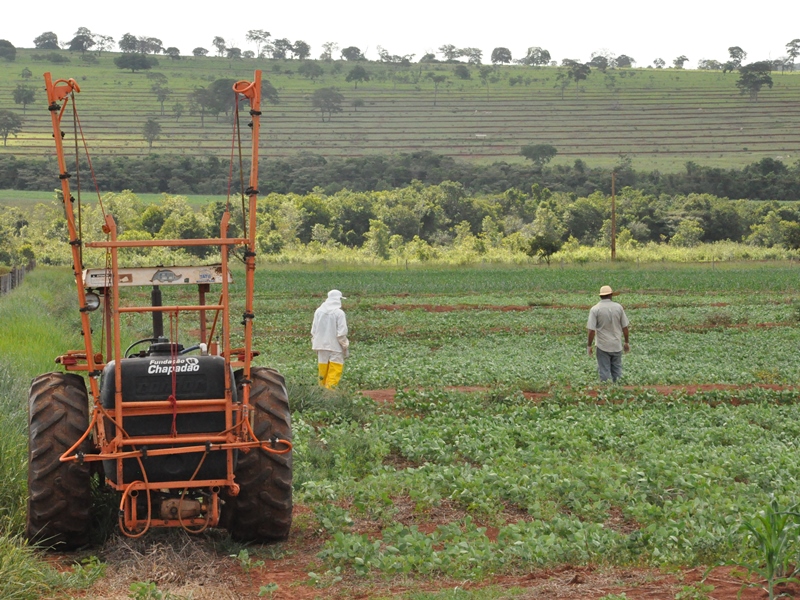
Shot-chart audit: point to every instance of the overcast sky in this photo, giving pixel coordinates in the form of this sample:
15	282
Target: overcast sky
575	29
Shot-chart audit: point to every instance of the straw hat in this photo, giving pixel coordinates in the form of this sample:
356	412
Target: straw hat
606	290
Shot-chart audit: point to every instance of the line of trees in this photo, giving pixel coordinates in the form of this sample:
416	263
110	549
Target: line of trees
267	46
767	179
419	221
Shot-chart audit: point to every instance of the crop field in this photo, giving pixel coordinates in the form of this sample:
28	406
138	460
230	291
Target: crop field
659	118
471	447
526	327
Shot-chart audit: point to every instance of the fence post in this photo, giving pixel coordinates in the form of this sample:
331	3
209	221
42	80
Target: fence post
14	278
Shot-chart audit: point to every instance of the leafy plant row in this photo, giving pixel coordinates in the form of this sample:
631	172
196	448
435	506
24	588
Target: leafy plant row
631	479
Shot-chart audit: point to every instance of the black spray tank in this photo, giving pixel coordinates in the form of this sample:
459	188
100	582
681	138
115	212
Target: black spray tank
149	378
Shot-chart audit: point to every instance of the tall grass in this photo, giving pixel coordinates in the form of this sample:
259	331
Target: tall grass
36	327
39	321
36	324
726	251
13	450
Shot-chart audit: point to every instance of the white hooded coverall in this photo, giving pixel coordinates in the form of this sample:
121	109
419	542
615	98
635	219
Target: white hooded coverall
329	339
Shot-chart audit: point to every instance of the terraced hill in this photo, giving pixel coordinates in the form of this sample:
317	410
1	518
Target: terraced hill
659	118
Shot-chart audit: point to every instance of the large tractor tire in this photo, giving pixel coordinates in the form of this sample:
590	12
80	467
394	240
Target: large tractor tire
262	512
59	494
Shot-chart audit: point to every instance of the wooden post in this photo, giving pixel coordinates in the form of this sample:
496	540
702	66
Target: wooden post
613	216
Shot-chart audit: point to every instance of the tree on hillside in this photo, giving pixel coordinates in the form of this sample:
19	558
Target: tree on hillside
135	62
462	72
259	37
784	63
753	77
80	43
10	124
233	53
201	100
599	62
680	61
623	61
47	41
151	131
501	56
162	94
128	43
26	73
449	52
793	50
327	100
222	96
659	63
705	64
539	154
301	50
328	48
157	78
7	51
199	52
356	74
535	57
173	53
402	60
281	48
352	53
103	43
486	75
219	43
473	55
24	95
269	93
149	45
562	82
578	72
310	70
737	56
437	81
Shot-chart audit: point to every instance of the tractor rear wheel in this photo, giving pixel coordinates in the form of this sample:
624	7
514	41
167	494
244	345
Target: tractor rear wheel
262	511
59	494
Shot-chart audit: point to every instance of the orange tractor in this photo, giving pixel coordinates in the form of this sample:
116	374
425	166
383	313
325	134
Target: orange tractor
187	432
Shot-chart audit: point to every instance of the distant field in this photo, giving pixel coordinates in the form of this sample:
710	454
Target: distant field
660	118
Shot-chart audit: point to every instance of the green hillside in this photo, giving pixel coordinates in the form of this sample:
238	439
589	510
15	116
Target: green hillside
660	118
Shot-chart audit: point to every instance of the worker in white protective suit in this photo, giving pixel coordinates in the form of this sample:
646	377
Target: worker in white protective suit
329	339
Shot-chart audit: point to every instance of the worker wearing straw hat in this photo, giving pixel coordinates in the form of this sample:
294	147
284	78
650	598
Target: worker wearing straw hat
608	326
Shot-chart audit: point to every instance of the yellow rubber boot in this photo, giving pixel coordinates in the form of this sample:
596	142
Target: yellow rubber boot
323	373
334	375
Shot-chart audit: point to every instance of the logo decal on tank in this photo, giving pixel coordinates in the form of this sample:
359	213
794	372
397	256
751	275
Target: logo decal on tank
164	366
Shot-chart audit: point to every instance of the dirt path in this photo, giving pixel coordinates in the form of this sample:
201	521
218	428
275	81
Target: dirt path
287	578
388	394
